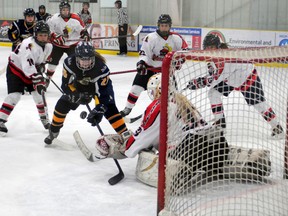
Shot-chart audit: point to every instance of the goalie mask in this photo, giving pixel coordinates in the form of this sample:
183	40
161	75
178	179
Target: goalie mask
154	86
211	41
85	55
41	33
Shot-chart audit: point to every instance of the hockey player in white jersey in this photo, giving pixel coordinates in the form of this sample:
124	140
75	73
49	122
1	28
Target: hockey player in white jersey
154	48
64	26
24	70
224	78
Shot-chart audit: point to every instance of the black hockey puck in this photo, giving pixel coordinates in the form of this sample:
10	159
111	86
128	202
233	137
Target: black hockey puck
83	114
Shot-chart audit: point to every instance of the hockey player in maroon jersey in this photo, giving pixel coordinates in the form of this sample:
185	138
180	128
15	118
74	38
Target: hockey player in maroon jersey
154	48
64	25
24	70
224	78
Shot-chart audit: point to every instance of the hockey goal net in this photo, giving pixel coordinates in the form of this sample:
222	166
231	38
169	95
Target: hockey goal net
235	166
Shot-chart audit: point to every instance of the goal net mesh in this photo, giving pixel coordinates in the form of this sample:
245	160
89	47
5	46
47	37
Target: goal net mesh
223	148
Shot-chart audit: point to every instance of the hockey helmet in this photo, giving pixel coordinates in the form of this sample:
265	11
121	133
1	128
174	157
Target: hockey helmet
211	40
62	5
41	27
85	55
29	12
42	7
164	19
29	15
154	86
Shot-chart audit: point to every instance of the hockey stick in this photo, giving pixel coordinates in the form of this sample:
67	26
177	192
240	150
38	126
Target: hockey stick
118	177
137	31
45	106
131	120
156	70
84	149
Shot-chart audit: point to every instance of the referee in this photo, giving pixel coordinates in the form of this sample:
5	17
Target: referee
122	17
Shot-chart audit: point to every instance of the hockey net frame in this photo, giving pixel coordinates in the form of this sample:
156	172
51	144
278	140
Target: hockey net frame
273	57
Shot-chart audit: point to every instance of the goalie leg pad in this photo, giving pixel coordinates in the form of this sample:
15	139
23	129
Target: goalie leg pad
245	163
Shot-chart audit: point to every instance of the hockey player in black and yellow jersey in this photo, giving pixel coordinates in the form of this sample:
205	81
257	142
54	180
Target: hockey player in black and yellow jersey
22	28
86	76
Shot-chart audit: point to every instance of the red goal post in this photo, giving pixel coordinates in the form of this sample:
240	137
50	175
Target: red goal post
244	183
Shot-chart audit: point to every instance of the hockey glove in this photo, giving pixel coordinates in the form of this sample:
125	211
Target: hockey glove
199	82
96	115
40	68
80	97
38	82
57	39
141	68
84	35
178	63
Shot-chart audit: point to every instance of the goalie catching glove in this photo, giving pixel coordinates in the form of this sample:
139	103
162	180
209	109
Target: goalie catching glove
96	115
39	83
113	145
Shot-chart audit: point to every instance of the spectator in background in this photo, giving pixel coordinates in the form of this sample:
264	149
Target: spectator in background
41	14
85	15
122	17
95	31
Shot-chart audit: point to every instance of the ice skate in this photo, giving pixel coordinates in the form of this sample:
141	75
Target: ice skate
126	111
48	140
277	132
3	128
45	122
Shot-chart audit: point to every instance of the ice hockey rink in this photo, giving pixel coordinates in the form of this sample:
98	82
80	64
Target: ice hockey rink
59	180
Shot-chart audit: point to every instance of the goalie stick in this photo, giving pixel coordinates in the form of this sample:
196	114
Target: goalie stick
137	31
84	149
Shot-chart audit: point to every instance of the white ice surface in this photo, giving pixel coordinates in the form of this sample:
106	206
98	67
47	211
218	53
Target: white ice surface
59	181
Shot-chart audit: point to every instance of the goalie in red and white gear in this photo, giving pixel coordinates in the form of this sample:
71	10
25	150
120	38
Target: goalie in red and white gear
223	78
64	26
25	71
154	48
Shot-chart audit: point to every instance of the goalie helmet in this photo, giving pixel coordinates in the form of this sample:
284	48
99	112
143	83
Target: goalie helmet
85	55
211	40
154	86
41	27
63	5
